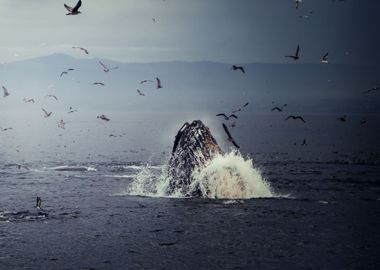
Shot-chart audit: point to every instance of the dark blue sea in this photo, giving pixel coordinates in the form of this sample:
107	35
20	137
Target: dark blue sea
102	207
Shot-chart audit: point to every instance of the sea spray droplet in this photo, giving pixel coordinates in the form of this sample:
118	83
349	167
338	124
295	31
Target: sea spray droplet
226	176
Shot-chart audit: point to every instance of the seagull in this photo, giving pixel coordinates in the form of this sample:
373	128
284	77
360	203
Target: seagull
103	117
227	117
296	56
140	93
26	100
71	110
53	96
98	83
238	110
5	129
6	93
62	124
144	81
38	203
373	89
230	137
105	68
158	83
46	113
298	2
342	118
278	108
295	118
83	49
66	71
238	67
324	59
74	10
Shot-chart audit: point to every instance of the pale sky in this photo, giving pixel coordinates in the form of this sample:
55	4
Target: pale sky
229	31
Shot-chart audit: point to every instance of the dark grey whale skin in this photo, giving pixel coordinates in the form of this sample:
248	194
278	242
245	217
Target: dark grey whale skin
193	147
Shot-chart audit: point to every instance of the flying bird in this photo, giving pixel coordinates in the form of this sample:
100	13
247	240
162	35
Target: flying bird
230	137
105	68
103	117
295	118
5	129
144	81
98	83
342	118
66	71
26	100
71	110
363	122
373	89
53	96
6	93
80	48
140	93
61	124
298	3
296	56
278	108
238	68
46	113
238	110
73	10
158	83
227	117
304	142
324	59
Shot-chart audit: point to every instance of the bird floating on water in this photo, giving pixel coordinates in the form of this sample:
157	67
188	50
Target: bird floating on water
73	10
230	137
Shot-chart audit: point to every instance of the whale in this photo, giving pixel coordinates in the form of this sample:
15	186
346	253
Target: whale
193	147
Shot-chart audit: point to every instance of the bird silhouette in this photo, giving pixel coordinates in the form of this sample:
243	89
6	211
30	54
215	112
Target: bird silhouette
6	93
230	137
103	117
295	117
324	58
239	109
82	49
278	108
98	83
342	118
105	68
158	83
227	117
296	56
26	100
373	89
73	10
234	67
46	113
53	96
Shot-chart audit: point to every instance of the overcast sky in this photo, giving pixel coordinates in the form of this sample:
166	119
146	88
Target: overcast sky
230	31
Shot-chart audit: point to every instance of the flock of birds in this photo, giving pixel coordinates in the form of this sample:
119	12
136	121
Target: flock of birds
296	56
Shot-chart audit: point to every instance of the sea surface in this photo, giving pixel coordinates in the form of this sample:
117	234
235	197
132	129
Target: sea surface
323	210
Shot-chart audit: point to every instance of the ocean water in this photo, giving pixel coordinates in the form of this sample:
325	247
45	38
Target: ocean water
293	206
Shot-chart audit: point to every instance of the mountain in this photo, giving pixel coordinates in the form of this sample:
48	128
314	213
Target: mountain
193	86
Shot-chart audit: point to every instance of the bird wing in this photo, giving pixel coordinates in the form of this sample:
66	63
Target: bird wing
325	56
246	104
242	69
46	113
276	108
300	118
77	6
298	50
70	9
103	65
221	114
227	131
234	143
233	115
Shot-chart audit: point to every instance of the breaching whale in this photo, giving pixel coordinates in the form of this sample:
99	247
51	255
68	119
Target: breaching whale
193	147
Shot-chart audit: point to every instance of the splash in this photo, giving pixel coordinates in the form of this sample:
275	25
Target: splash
226	176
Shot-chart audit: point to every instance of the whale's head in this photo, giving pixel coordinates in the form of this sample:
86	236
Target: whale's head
193	147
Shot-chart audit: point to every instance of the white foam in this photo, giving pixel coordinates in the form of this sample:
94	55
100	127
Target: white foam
227	176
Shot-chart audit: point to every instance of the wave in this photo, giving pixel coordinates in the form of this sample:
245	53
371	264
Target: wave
73	168
226	176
